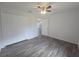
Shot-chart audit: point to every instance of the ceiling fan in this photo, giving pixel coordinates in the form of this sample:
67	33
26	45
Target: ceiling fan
45	7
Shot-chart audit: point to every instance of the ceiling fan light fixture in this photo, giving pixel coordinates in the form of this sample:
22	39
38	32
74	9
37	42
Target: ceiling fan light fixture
43	12
45	8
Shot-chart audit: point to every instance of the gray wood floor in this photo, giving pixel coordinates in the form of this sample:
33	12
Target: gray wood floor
40	47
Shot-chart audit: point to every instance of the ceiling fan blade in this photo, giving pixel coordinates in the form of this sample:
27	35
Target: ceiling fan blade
38	7
48	10
48	7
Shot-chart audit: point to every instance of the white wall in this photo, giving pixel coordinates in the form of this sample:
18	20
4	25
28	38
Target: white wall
65	26
16	28
0	29
0	25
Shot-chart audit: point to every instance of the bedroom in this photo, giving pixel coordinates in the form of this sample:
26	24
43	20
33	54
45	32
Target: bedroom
25	31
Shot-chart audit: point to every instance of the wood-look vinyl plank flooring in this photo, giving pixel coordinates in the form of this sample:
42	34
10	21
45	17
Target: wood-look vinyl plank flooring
43	46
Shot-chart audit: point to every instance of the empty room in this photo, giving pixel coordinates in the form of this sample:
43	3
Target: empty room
39	29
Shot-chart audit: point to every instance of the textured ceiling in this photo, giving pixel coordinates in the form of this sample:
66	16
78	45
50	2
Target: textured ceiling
30	6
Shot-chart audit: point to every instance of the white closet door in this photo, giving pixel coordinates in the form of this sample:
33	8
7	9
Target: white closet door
45	27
